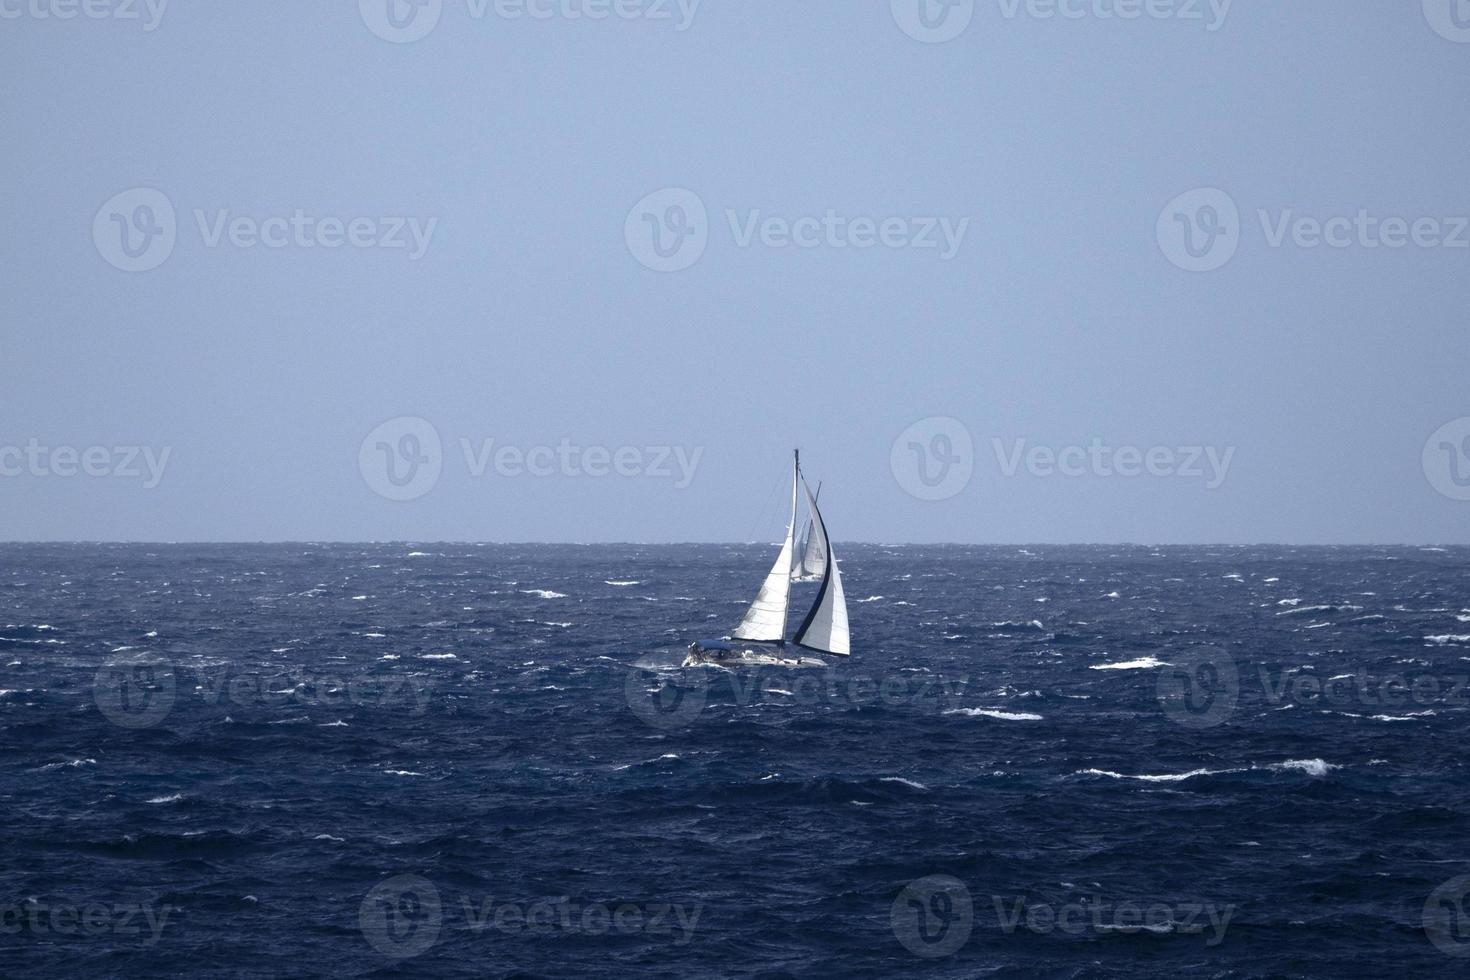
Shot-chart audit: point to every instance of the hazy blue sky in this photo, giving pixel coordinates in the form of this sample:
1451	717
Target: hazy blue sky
1061	308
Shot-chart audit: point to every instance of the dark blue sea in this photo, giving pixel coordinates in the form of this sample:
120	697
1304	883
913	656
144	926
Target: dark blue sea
484	761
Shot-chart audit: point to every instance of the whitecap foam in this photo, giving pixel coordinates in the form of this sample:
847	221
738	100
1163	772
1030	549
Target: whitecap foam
994	713
1167	777
1143	663
1307	609
171	798
69	764
1312	767
544	593
906	782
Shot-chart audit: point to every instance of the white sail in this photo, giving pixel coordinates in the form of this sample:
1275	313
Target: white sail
766	617
813	554
825	626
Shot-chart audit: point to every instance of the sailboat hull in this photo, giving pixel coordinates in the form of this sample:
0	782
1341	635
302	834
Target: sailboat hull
730	653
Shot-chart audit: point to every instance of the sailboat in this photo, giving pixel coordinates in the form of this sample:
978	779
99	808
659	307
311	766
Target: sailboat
761	635
813	555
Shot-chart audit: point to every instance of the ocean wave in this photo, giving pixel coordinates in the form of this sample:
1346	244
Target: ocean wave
905	782
994	713
1143	663
1312	767
1157	778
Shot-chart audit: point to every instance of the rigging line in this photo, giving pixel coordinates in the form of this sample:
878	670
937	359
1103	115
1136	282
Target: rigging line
767	511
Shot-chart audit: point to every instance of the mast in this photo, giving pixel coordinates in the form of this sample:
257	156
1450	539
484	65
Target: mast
765	620
790	537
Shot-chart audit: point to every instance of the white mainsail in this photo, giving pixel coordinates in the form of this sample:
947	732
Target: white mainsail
825	626
766	617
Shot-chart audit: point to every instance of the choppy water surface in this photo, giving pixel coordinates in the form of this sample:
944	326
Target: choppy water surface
481	761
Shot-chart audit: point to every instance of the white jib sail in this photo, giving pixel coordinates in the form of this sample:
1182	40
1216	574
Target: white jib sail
814	555
825	627
766	617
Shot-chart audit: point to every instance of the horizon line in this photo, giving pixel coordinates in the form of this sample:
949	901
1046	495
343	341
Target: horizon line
774	544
